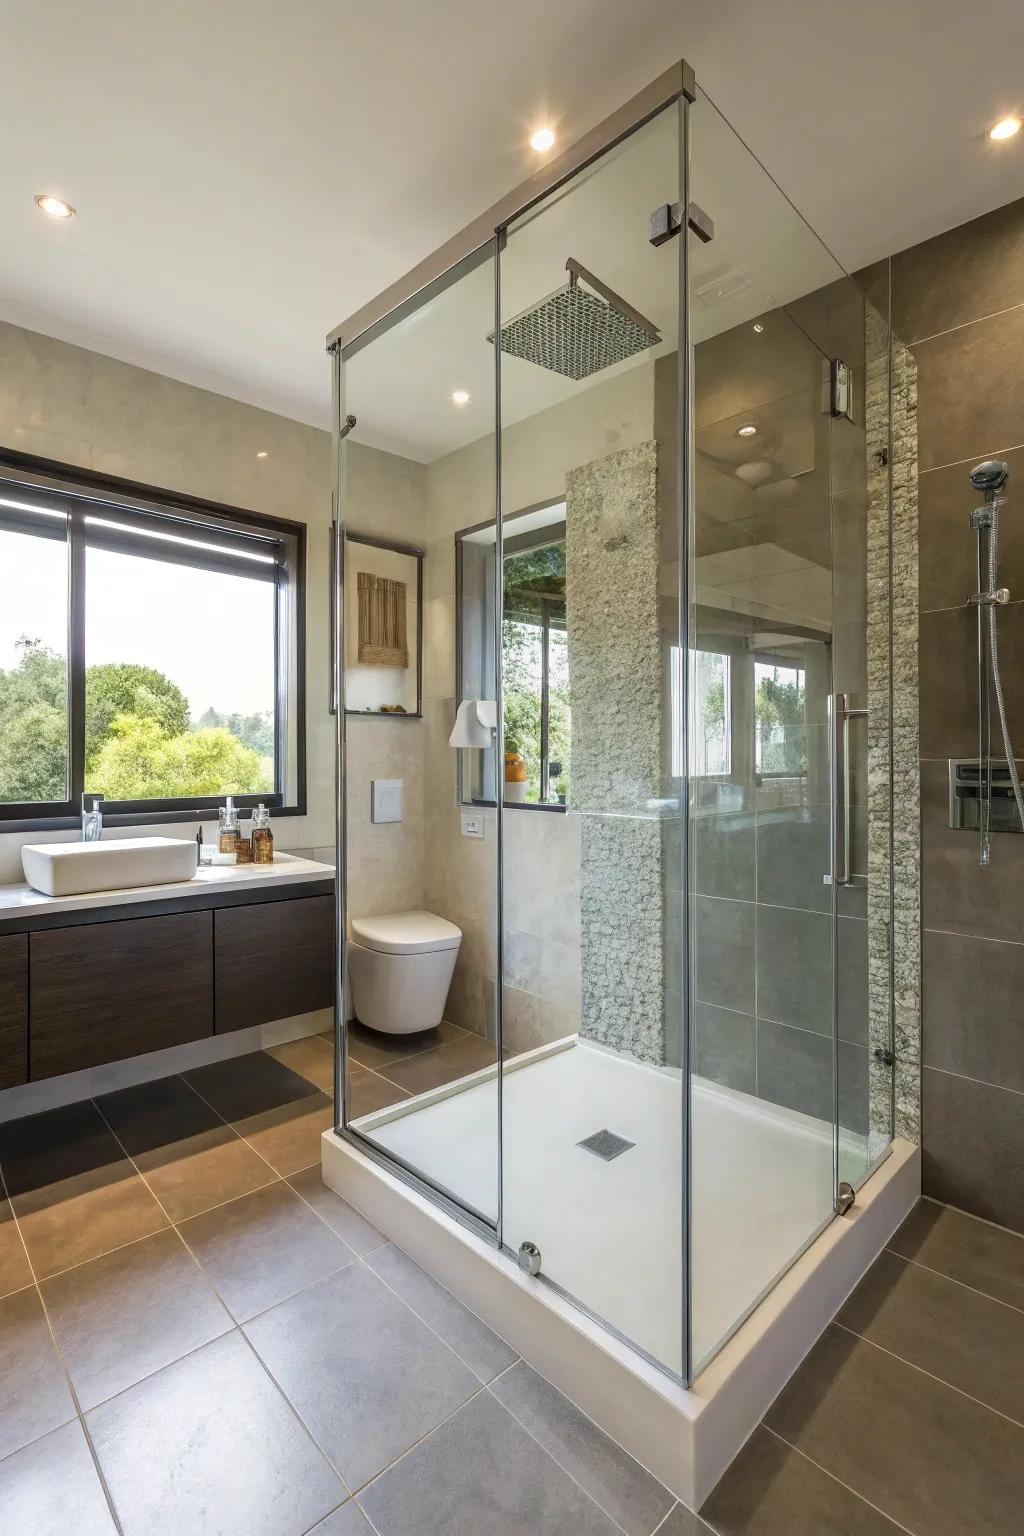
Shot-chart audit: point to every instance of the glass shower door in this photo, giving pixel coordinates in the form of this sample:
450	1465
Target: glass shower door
788	644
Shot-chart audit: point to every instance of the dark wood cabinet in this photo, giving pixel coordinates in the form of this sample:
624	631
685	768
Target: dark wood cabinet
103	991
272	961
13	1010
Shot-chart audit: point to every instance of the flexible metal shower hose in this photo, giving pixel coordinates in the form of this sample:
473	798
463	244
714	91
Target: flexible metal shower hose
993	563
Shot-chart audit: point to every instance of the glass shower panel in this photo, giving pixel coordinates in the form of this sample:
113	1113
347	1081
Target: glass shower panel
592	970
778	683
421	388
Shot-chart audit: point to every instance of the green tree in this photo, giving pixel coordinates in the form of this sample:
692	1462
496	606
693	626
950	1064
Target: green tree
122	688
33	725
255	730
139	760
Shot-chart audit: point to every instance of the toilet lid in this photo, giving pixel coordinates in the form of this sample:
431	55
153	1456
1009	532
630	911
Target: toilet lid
406	933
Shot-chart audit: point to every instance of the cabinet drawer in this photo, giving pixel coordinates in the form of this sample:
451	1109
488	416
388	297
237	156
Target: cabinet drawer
13	1010
104	991
273	961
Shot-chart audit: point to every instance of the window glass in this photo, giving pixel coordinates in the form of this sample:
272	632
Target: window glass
33	653
535	676
180	679
712	746
780	741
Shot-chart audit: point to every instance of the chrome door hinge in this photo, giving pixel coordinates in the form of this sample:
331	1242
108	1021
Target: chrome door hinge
666	223
844	1198
529	1258
837	389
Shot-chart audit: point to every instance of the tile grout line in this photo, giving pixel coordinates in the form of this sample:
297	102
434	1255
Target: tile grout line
75	1403
951	330
982	1082
952	1279
230	1124
983	1220
551	1455
416	1443
237	1328
849	1488
361	1259
852	1332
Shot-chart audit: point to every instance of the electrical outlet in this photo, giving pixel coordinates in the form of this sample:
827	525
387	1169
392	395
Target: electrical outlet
386	800
472	824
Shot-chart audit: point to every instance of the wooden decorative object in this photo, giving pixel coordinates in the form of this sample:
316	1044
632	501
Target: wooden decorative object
383	640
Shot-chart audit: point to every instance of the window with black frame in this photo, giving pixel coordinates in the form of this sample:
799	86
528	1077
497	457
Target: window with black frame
150	652
534	661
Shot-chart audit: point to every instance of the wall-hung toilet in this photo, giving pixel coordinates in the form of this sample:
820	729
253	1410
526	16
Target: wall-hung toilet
400	968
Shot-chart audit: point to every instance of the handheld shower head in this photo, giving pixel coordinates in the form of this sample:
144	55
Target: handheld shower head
990	476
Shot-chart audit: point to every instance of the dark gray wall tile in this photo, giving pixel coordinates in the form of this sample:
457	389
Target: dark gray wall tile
723	855
794	1068
793	858
946	543
924	1454
854	1104
973	1147
852	965
972	1007
973	270
971	1251
966	1339
949	679
957	895
725	1048
970	391
723	941
794	968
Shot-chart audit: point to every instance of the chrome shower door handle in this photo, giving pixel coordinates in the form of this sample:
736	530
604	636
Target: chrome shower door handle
842	713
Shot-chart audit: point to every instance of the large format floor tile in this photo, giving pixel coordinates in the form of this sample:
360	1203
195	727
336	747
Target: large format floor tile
930	1458
15	1270
969	1340
363	1372
264	1247
445	1064
481	1472
366	1092
474	1343
971	1251
361	1236
34	1394
281	1114
349	1520
771	1490
635	1500
127	1314
51	1488
73	1190
367	1048
209	1445
312	1058
189	1158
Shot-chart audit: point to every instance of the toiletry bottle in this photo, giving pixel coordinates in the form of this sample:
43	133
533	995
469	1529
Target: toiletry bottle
227	842
262	837
243	849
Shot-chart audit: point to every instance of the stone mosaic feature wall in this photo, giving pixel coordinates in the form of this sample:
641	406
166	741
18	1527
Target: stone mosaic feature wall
612	555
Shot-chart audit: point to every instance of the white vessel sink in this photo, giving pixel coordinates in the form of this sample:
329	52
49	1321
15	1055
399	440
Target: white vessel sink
74	869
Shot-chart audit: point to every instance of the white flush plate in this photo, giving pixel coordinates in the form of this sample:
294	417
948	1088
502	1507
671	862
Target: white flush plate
472	824
386	800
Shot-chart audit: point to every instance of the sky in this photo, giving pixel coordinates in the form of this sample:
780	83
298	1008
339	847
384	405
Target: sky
210	633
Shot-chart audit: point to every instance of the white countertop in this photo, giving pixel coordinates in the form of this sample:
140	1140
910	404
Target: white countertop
21	900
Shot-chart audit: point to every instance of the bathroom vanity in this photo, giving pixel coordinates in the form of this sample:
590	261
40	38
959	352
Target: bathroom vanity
96	978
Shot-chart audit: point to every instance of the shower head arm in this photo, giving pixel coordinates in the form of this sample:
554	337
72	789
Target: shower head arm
578	272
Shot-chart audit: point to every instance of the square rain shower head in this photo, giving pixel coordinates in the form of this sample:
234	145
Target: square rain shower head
577	330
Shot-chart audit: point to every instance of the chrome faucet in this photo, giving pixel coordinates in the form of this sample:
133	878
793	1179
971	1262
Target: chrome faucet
92	818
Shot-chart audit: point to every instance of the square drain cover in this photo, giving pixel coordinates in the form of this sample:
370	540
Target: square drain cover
606	1144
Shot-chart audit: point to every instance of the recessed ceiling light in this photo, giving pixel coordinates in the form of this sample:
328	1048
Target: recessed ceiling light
758	327
542	140
460	397
1006	128
56	207
262	453
747	430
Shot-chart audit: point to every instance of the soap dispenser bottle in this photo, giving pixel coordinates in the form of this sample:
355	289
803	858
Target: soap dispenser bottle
262	836
227	841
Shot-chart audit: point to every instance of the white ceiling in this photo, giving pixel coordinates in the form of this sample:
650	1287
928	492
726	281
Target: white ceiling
247	173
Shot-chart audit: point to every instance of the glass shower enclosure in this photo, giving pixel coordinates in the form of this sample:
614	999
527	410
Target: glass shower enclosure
646	414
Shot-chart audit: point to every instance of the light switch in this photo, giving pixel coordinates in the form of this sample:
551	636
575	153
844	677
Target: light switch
386	800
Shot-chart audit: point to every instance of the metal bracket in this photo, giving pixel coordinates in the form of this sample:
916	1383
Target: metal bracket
666	223
529	1258
838	390
845	1197
884	1056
